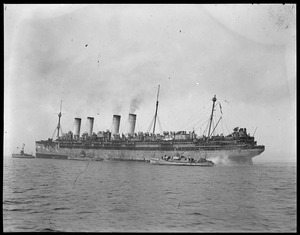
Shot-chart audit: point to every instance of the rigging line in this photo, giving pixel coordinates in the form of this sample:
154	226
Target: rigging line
226	125
216	116
197	114
254	132
228	131
216	130
207	120
141	127
197	124
170	107
220	108
223	120
200	126
148	120
147	114
203	112
159	124
81	173
207	126
161	128
236	115
212	124
54	132
165	127
216	125
195	119
149	128
222	127
205	130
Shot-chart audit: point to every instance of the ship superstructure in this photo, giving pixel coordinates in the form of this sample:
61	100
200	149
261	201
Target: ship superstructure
237	147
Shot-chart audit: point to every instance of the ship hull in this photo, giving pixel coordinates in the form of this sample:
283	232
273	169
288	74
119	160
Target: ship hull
22	156
85	159
56	155
228	156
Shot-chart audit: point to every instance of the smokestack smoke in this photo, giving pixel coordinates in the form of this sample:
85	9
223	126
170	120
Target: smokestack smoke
90	125
135	103
116	124
117	108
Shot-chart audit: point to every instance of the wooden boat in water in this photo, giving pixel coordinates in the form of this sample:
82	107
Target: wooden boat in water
180	161
85	157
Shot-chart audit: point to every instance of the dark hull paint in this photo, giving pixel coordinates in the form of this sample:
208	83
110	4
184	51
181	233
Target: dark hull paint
23	157
51	156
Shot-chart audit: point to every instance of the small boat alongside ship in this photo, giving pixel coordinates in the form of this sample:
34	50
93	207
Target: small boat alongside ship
85	157
180	161
22	154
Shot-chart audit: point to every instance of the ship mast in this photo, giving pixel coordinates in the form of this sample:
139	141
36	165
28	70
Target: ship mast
59	115
22	151
156	110
211	116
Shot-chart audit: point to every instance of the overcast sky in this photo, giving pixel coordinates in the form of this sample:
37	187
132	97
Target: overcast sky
102	60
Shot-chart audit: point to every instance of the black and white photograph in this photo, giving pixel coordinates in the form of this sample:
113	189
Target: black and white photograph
149	118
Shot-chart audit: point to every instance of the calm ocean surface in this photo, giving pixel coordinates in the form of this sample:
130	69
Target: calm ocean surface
41	195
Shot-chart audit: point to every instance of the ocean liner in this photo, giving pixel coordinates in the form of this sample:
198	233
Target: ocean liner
237	147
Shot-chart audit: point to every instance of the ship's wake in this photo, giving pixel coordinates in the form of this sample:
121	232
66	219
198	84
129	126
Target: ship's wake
225	160
220	160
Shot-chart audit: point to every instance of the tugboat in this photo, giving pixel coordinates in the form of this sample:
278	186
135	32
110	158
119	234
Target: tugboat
22	154
180	161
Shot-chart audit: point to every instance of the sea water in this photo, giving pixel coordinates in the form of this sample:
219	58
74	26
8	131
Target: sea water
41	195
